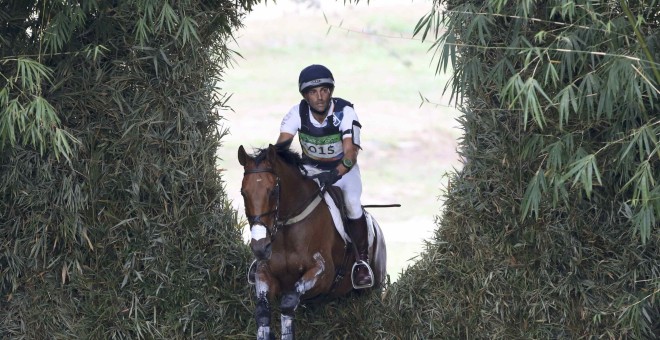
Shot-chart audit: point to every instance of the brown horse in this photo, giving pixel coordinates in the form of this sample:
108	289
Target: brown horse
300	254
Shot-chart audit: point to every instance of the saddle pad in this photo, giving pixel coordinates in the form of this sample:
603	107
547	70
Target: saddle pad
339	224
336	213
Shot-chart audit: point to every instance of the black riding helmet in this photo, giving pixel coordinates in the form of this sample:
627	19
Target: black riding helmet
313	76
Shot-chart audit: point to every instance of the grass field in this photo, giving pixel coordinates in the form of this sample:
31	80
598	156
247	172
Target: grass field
407	148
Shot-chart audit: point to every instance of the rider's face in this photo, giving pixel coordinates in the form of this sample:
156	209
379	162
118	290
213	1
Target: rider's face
318	97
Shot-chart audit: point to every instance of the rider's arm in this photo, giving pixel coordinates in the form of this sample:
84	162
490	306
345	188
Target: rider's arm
284	136
350	152
351	147
289	125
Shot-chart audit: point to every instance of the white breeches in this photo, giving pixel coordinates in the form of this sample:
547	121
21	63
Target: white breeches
351	186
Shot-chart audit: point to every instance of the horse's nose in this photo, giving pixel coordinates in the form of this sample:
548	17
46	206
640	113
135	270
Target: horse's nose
260	242
262	249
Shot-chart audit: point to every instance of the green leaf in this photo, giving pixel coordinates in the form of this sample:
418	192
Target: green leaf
187	30
551	75
142	31
583	170
531	103
31	74
642	181
567	102
168	18
644	221
533	195
425	23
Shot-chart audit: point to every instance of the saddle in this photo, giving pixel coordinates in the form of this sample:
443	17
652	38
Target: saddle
338	198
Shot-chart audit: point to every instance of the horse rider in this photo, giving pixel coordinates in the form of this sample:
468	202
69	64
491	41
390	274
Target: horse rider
329	133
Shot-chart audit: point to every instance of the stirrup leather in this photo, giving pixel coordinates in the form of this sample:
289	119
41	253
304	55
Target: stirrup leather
252	272
371	274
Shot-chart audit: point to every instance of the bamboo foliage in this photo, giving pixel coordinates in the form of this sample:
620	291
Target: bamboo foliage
113	218
581	65
550	229
27	118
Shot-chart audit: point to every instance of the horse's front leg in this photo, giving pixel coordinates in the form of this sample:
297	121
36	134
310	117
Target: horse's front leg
265	287
291	300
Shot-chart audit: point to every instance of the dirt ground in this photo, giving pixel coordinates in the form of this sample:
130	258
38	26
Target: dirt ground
407	148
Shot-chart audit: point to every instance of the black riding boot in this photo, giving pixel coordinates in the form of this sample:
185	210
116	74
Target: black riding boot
362	275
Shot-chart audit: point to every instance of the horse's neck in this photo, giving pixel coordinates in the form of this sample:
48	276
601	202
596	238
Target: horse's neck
296	188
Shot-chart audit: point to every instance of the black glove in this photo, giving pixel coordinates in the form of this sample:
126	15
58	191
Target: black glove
327	178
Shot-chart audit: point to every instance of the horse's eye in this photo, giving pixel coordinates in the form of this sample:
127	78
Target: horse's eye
242	193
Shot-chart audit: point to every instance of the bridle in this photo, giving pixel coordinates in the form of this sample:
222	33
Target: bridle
254	219
299	214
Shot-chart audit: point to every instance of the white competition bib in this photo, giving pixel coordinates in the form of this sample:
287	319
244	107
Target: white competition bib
322	148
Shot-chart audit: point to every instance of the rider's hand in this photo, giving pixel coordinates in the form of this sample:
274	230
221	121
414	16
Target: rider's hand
327	178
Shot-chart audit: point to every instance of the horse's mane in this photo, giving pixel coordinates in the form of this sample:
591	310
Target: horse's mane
288	156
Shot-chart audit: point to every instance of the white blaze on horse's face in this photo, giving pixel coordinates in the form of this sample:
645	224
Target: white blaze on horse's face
258	231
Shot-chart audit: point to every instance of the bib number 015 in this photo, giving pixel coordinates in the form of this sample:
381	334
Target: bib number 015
321	150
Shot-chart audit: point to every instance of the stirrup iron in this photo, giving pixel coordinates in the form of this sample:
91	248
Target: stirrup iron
371	274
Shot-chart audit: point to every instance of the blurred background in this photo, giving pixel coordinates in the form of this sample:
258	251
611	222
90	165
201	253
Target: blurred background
409	144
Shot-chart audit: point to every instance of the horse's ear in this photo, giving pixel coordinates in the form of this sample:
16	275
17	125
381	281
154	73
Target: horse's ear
272	151
242	155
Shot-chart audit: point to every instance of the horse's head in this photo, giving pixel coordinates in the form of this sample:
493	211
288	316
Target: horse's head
261	194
